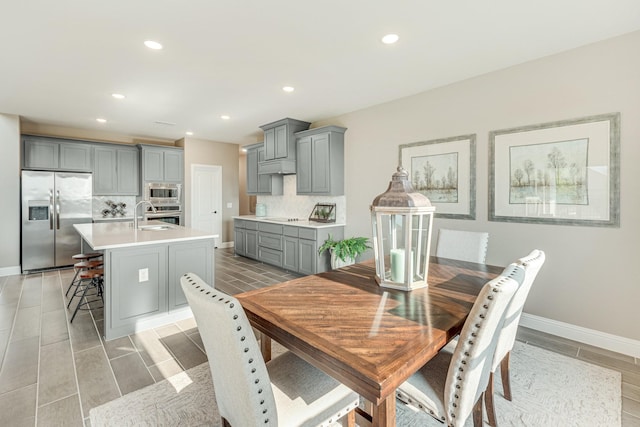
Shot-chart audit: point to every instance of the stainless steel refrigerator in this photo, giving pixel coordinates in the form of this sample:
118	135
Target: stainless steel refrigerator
51	203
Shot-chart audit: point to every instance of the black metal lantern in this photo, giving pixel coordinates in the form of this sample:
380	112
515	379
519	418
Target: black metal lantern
401	220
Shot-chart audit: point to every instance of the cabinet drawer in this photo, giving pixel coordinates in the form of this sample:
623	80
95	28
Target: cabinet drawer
290	231
308	233
270	256
238	223
269	240
250	225
270	228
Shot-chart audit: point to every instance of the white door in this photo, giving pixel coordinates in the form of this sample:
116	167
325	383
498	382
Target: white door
206	199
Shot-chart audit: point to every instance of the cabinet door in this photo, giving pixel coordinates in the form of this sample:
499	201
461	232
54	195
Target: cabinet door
290	254
153	165
264	181
127	172
320	164
281	140
132	299
252	170
75	157
173	165
251	244
104	171
191	257
238	241
304	165
40	154
270	144
307	256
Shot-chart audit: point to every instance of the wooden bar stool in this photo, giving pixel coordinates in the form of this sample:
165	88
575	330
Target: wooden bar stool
89	279
83	264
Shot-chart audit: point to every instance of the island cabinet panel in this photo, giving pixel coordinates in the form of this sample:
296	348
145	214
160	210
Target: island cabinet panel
184	258
138	283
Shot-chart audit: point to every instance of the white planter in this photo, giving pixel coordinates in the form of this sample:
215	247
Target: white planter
338	263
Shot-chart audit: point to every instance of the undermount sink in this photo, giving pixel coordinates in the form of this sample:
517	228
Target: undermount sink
155	227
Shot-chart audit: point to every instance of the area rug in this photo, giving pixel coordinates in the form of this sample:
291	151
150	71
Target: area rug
548	390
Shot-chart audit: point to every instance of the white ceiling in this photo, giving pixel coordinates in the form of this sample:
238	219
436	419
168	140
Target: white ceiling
60	61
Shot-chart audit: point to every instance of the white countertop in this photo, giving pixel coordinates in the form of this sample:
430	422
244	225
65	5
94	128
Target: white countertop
301	223
111	235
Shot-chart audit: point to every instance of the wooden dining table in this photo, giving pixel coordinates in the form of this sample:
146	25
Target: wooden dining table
367	337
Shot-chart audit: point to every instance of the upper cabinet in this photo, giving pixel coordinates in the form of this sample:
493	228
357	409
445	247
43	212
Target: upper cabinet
162	164
320	161
56	154
115	170
260	184
280	146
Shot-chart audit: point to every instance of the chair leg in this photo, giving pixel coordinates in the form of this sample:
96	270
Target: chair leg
75	276
351	418
477	412
504	371
489	404
84	293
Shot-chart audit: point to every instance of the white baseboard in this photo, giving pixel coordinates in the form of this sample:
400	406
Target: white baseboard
10	271
577	333
226	245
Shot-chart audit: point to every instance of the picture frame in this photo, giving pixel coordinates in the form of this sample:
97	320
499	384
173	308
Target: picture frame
444	170
565	172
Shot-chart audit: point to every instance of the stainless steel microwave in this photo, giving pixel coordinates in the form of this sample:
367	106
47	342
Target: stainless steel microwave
163	193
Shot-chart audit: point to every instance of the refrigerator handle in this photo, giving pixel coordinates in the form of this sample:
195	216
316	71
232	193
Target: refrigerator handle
50	209
58	209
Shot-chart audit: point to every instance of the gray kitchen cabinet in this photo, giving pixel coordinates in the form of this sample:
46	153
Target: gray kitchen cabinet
134	297
56	154
261	184
162	164
320	161
280	146
192	257
292	247
115	170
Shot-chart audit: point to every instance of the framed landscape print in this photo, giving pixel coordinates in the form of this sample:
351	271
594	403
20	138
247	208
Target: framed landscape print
565	172
444	171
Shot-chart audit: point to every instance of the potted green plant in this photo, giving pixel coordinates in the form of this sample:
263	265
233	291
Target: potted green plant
344	252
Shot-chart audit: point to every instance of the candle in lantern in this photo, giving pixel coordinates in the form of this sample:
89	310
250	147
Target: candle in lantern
397	265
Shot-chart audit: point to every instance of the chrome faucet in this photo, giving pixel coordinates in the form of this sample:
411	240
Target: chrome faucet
135	212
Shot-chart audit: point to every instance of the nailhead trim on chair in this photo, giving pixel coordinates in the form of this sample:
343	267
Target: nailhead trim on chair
242	338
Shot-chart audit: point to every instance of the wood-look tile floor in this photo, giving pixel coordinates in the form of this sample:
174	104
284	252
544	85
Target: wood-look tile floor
52	372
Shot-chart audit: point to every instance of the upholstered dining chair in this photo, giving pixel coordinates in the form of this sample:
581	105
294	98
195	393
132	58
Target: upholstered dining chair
450	386
287	391
507	336
462	245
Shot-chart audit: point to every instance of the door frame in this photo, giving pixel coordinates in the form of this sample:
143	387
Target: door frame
217	170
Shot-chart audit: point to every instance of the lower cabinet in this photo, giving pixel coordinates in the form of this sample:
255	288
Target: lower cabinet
293	248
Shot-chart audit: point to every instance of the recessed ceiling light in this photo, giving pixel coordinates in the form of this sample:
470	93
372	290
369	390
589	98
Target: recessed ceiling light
225	117
153	45
189	133
100	120
390	39
288	88
117	95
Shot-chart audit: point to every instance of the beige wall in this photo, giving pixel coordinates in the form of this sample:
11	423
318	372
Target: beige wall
589	278
10	193
202	152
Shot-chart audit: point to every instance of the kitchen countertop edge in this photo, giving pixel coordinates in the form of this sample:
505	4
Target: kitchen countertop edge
115	235
304	223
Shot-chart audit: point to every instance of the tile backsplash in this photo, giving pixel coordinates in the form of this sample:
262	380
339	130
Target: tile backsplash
290	205
100	204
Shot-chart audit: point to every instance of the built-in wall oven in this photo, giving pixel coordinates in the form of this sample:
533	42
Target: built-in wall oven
171	214
167	199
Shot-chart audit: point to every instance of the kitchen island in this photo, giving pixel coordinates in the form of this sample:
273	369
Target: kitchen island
142	270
